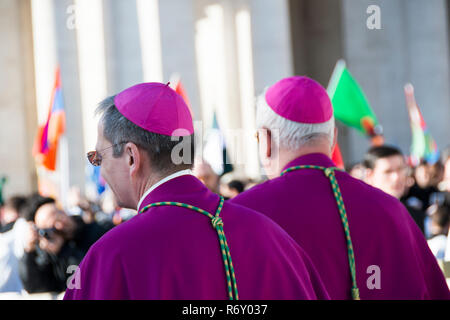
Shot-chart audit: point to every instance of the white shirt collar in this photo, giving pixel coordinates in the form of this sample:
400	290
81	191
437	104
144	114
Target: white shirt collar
163	180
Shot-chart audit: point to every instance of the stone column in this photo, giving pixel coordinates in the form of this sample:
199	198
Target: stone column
17	97
150	35
122	45
411	46
177	24
272	48
91	64
245	67
428	63
67	56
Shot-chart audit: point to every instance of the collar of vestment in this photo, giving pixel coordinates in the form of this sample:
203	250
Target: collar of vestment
186	189
316	159
162	181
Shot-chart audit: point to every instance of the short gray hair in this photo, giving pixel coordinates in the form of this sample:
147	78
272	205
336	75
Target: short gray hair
119	130
292	135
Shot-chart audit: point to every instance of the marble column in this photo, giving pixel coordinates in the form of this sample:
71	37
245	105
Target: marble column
17	97
67	56
91	63
411	46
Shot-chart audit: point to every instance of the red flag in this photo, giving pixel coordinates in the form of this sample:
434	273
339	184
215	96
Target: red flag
337	157
423	145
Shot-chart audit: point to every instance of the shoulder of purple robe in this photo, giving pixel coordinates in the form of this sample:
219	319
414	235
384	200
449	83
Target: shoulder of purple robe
160	254
406	241
379	224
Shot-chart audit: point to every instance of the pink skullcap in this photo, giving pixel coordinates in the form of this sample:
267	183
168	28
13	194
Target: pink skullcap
157	108
300	99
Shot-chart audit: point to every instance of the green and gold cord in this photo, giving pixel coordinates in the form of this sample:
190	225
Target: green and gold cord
329	173
217	224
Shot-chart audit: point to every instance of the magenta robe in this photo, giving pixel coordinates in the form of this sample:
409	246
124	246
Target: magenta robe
174	253
383	233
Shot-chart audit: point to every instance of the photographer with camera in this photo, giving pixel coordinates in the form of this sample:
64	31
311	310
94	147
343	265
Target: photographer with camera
53	242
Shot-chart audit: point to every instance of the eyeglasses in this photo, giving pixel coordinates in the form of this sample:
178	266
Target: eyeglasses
95	157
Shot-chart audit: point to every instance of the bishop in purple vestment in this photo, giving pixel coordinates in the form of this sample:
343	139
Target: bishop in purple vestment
390	255
173	251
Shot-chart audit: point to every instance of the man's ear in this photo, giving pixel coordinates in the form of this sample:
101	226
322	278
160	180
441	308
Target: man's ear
133	157
268	143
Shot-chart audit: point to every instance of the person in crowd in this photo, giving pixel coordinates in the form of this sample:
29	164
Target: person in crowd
436	172
357	171
185	243
79	205
232	189
10	212
387	170
351	230
444	185
425	188
53	241
440	219
111	212
422	175
89	211
3	181
205	173
11	246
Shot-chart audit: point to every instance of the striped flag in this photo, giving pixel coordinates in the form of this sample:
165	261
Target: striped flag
423	146
46	142
337	157
175	84
350	104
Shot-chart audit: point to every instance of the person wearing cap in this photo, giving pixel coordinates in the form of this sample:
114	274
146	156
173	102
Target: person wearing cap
362	241
185	242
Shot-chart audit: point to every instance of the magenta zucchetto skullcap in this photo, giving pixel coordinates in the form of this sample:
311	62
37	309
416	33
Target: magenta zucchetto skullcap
157	108
300	99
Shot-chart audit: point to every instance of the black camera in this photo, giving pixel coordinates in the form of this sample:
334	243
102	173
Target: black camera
46	233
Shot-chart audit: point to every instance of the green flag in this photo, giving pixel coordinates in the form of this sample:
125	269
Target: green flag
349	102
423	146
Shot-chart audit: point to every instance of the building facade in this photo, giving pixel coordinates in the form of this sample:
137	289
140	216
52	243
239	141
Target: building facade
225	52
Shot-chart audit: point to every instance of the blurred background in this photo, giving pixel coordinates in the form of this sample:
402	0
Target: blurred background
223	54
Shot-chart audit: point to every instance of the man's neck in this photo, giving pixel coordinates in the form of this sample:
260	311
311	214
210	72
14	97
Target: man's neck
286	156
155	182
146	185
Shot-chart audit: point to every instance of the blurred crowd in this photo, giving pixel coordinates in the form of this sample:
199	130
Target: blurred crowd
40	239
424	190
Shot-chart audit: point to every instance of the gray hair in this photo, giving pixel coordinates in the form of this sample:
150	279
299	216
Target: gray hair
119	130
292	135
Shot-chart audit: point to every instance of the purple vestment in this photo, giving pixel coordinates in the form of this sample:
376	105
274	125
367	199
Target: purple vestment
387	243
174	253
